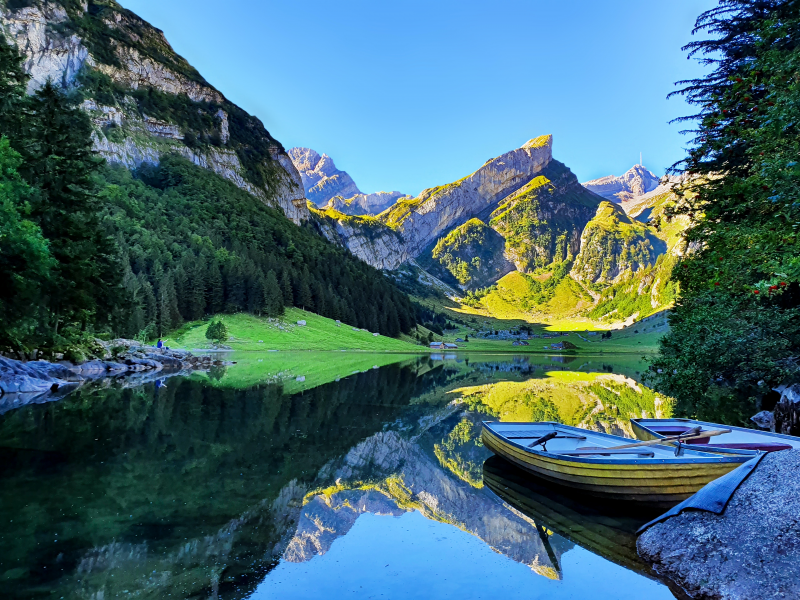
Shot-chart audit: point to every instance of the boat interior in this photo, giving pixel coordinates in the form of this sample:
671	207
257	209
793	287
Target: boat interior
739	438
564	440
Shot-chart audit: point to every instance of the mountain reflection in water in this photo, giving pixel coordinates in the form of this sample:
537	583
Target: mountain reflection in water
202	488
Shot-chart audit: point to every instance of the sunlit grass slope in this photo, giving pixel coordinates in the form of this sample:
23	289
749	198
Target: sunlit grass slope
297	371
248	332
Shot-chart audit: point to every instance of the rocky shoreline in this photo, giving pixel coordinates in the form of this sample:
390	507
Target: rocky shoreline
127	361
749	552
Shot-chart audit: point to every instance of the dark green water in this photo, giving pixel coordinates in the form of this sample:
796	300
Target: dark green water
375	485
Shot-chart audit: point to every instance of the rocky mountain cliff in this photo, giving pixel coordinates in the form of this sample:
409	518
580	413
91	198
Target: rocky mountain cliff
144	99
329	188
636	182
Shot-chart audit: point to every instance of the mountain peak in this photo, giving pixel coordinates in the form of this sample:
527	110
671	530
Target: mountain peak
635	182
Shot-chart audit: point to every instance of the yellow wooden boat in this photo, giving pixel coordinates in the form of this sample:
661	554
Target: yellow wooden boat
587	461
738	440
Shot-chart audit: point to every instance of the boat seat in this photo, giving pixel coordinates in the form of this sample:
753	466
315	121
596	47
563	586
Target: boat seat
763	446
535	435
605	452
670	430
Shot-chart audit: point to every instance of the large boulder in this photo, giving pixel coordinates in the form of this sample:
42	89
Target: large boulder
749	552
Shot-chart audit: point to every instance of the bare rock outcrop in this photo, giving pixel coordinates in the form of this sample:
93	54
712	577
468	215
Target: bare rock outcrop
437	210
749	552
321	179
53	49
364	204
636	182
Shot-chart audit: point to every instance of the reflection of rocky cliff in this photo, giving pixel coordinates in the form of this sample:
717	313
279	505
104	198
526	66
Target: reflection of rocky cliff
407	478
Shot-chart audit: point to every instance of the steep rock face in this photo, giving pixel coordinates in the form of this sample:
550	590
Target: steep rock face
48	54
542	221
117	57
365	204
366	238
437	210
321	179
637	181
470	256
612	245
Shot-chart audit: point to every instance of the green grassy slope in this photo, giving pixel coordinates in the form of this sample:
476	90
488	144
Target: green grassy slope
248	332
297	371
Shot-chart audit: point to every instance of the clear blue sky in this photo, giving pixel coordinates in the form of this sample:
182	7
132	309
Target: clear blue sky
409	94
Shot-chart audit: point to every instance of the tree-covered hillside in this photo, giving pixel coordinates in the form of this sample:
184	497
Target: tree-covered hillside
89	249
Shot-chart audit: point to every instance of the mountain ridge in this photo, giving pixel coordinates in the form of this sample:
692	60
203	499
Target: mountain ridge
330	188
635	182
136	89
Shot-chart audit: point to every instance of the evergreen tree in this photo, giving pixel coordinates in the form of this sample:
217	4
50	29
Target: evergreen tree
216	292
25	261
12	90
59	163
273	297
286	288
735	331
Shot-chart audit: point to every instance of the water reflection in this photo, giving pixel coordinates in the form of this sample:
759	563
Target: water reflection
202	486
602	528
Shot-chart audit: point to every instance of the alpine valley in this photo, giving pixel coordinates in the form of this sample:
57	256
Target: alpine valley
520	238
212	215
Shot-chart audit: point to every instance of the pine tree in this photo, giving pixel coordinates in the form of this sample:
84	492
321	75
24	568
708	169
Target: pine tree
273	298
216	292
12	90
286	288
59	163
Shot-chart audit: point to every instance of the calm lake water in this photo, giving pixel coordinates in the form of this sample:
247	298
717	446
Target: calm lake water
336	475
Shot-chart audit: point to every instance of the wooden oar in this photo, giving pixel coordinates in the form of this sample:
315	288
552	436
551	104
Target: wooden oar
674	438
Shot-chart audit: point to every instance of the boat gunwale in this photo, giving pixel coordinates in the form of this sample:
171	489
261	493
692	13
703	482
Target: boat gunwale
708	458
783	436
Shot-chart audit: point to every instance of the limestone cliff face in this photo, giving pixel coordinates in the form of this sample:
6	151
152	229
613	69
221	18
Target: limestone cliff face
321	179
636	182
438	210
332	189
57	44
368	239
365	204
612	245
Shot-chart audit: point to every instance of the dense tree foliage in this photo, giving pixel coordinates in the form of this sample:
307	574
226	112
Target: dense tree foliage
736	329
194	244
87	249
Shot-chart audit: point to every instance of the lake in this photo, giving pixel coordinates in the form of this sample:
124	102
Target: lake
302	475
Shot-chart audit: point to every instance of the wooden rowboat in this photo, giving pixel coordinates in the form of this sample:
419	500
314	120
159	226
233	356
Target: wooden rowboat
739	440
586	461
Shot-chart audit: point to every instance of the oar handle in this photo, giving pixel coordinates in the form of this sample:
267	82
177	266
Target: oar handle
675	438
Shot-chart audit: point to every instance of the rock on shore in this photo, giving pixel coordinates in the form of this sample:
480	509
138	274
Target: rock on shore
119	358
751	551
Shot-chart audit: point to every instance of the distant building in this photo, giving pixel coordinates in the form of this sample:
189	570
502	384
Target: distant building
450	346
437	345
